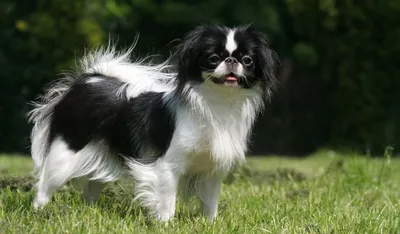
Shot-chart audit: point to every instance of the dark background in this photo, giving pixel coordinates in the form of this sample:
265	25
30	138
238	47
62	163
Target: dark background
339	71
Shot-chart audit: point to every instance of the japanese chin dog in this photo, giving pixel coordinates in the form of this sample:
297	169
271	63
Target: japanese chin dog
178	126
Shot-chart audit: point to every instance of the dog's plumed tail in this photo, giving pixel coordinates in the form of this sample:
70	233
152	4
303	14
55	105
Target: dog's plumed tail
41	116
138	76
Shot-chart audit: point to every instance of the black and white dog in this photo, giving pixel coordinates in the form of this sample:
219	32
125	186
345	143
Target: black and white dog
169	130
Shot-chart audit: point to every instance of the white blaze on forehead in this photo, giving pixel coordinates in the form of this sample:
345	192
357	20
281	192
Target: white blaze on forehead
93	80
230	42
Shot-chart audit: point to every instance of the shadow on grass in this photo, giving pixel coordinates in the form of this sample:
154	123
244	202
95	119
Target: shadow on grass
26	183
262	177
17	183
117	198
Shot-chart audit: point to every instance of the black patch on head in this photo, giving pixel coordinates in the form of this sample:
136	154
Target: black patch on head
197	46
194	53
255	44
93	111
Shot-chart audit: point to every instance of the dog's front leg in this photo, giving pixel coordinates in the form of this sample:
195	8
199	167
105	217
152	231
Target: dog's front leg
208	192
157	184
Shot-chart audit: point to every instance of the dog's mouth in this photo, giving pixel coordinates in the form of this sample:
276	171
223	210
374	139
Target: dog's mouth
227	80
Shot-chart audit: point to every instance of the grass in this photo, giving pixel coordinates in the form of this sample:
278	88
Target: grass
323	193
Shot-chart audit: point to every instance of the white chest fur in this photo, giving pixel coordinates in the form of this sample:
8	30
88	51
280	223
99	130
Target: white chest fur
213	129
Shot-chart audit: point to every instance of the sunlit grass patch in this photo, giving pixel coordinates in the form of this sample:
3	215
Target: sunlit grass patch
324	193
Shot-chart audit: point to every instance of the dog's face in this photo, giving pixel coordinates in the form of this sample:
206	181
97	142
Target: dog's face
235	58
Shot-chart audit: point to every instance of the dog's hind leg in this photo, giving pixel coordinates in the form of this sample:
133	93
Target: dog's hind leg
57	169
91	189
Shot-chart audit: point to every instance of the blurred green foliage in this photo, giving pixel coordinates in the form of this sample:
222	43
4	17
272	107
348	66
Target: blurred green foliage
339	61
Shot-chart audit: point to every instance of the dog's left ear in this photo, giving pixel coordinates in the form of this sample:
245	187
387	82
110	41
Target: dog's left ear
267	58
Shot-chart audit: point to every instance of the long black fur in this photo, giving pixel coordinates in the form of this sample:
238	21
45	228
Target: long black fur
93	111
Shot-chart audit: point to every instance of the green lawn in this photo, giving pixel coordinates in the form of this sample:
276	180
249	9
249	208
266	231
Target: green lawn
323	193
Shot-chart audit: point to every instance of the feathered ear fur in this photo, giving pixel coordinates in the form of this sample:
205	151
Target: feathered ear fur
265	56
188	52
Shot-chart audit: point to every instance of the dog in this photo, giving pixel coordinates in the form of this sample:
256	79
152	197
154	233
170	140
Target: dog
180	125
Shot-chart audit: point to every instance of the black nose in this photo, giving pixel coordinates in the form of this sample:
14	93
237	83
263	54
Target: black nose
231	60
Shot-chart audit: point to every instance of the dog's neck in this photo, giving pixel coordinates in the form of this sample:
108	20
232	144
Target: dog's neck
216	102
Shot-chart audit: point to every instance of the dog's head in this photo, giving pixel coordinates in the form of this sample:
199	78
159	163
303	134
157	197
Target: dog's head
233	58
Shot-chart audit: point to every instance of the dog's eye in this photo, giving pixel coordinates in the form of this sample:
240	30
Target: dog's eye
247	60
214	59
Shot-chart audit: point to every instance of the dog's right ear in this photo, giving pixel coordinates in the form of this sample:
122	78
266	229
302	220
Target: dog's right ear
188	53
